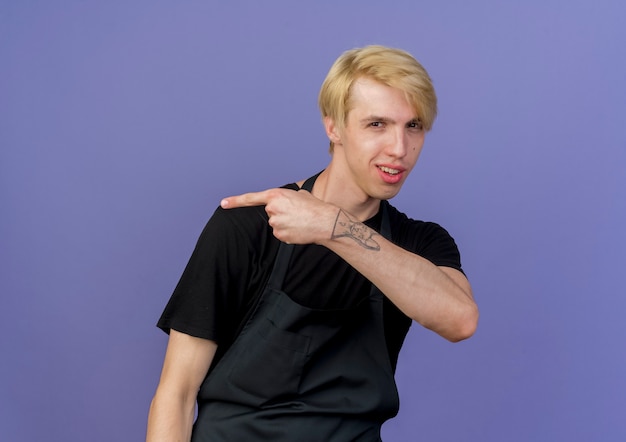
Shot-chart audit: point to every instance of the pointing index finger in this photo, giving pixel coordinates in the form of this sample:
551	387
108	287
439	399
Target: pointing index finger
245	200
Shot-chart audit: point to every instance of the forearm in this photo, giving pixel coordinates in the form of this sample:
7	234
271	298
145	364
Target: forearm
170	418
439	299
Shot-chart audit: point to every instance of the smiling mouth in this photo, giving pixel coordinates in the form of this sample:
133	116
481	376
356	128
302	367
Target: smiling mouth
389	170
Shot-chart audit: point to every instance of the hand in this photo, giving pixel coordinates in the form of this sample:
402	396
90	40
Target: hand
296	217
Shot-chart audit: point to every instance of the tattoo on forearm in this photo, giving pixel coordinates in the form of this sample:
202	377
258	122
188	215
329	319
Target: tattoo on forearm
347	227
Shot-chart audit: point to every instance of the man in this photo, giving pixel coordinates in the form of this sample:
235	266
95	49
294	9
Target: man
296	300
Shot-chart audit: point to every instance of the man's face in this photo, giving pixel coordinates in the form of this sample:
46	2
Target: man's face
380	143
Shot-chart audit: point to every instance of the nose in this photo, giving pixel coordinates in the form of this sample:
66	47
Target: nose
398	143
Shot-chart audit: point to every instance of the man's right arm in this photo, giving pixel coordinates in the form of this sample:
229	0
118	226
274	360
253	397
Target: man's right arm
187	361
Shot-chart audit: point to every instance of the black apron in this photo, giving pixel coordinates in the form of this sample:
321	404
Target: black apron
299	374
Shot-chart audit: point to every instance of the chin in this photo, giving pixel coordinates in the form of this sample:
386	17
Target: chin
387	194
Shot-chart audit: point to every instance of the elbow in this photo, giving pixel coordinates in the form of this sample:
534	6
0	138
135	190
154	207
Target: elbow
465	326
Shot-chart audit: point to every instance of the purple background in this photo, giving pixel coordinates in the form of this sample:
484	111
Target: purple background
122	124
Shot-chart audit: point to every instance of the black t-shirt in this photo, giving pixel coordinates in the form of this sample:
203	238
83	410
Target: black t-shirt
234	257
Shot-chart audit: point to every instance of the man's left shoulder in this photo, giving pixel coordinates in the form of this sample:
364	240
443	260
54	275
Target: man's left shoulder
407	228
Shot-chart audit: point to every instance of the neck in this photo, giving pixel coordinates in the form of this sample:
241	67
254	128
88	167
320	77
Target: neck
331	188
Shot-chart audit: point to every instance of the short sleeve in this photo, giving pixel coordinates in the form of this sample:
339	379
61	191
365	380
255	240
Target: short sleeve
427	239
439	247
213	286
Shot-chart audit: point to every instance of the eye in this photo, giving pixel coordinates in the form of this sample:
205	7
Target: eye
415	124
376	124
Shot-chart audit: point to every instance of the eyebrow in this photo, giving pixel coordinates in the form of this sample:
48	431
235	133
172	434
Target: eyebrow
371	118
376	118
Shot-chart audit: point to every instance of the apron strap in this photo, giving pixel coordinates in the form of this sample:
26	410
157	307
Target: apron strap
308	184
280	265
385	226
285	250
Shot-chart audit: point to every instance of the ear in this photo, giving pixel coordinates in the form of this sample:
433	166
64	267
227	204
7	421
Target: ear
332	130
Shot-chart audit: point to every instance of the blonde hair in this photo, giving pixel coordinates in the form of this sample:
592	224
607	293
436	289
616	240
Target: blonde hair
392	67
